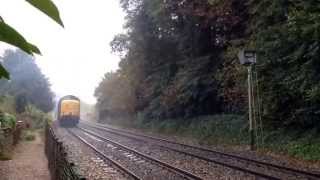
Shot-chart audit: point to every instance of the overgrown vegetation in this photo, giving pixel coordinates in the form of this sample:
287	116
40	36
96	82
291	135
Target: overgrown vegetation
300	145
179	62
27	97
33	118
7	126
217	129
36	118
28	135
7	112
7	120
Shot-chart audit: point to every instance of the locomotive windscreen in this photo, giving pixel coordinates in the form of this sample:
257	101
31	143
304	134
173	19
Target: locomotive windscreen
70	107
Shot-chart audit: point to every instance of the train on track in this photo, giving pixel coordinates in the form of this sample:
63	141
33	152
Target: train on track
68	114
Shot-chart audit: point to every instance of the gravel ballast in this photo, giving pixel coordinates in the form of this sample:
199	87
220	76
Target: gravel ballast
195	165
199	167
89	164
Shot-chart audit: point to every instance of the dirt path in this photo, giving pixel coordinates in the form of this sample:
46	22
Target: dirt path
29	162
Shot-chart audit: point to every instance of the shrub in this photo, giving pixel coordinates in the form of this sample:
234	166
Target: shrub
36	117
28	136
7	120
2	138
6	141
222	129
7	104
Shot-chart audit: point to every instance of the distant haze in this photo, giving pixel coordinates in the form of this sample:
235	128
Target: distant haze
74	58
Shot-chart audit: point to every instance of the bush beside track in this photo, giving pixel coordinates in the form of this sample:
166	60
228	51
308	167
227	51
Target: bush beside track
9	135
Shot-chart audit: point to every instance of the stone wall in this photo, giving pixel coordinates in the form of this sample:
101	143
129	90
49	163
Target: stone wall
60	167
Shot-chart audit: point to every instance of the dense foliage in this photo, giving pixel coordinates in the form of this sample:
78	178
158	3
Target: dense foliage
7	120
179	60
289	38
35	118
27	85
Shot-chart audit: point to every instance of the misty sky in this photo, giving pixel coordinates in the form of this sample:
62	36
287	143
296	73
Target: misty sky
74	58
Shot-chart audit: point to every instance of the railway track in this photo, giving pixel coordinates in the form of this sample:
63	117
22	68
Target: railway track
257	168
127	159
106	158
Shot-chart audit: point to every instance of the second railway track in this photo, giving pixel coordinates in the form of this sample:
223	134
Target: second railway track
257	168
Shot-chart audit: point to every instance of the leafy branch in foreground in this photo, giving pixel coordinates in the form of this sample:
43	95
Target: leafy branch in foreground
11	36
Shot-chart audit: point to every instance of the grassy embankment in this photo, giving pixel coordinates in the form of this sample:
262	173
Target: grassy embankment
232	131
7	124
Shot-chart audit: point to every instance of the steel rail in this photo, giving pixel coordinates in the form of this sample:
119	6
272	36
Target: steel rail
125	133
173	169
101	154
211	160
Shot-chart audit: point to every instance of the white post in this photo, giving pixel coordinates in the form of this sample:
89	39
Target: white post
251	128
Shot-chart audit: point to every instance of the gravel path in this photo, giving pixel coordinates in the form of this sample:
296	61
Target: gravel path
29	162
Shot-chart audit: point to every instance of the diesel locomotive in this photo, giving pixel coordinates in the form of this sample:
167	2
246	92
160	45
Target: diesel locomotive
68	111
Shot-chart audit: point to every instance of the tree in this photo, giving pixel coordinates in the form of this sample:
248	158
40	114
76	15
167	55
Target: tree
172	52
27	83
288	38
11	36
180	59
120	99
21	103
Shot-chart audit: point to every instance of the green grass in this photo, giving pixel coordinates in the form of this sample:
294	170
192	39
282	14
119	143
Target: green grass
304	151
28	135
5	157
303	145
5	148
223	130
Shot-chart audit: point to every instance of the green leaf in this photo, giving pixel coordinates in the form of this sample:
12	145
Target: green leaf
35	49
4	73
11	36
47	7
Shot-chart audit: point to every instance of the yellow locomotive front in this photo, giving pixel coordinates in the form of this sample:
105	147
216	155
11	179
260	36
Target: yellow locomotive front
69	111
